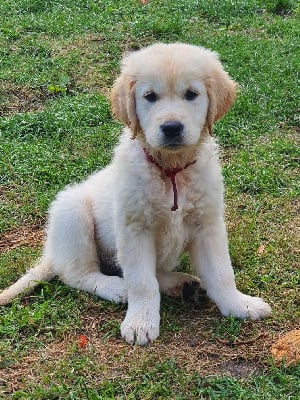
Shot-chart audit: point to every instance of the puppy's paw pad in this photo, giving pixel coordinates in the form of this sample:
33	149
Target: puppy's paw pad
192	292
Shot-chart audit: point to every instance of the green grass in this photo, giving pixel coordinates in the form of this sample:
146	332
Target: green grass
165	381
58	60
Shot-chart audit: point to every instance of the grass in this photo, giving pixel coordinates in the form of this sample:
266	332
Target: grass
58	60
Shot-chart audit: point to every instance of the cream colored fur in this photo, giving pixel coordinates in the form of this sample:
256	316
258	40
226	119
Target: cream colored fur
124	210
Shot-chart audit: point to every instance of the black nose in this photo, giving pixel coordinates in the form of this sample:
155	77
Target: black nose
172	129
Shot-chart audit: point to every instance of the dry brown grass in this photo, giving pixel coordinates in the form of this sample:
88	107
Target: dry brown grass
21	99
30	236
92	55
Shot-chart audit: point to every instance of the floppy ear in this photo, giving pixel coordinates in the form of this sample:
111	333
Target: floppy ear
123	103
221	93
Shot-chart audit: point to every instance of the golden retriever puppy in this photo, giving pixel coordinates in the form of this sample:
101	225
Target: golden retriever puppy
121	233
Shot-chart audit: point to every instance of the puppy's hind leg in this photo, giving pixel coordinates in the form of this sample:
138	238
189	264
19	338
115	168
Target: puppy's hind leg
110	288
72	244
43	271
176	284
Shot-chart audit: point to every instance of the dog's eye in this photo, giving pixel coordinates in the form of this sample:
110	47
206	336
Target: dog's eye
151	97
190	95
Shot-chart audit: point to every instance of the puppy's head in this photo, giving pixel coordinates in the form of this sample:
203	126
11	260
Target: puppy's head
169	93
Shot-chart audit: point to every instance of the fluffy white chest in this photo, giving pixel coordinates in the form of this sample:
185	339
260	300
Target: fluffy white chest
171	239
174	230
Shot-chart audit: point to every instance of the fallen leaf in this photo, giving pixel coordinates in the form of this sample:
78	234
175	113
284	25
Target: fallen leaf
261	249
82	341
287	348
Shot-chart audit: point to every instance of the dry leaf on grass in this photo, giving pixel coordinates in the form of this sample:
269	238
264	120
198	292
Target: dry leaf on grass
261	249
287	348
82	341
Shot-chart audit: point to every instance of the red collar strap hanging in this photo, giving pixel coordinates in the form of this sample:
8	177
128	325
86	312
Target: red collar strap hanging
170	173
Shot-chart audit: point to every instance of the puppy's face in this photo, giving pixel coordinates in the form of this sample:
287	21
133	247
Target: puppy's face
171	110
168	94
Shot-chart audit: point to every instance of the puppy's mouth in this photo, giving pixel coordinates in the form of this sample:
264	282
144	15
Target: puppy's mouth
172	145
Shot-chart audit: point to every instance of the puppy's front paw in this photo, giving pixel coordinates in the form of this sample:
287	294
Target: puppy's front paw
139	328
242	306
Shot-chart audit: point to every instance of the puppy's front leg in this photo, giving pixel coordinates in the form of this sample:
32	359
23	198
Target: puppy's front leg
210	259
137	256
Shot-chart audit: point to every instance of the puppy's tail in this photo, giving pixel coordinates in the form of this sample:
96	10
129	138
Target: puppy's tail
43	271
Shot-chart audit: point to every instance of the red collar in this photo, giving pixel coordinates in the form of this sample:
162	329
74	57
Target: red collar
170	173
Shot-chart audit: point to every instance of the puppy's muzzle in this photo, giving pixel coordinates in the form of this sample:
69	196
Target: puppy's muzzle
172	133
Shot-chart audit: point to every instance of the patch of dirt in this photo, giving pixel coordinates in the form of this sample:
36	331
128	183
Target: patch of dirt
84	74
93	56
20	99
31	236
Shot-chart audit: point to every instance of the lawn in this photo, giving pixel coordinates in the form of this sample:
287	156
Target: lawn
58	60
